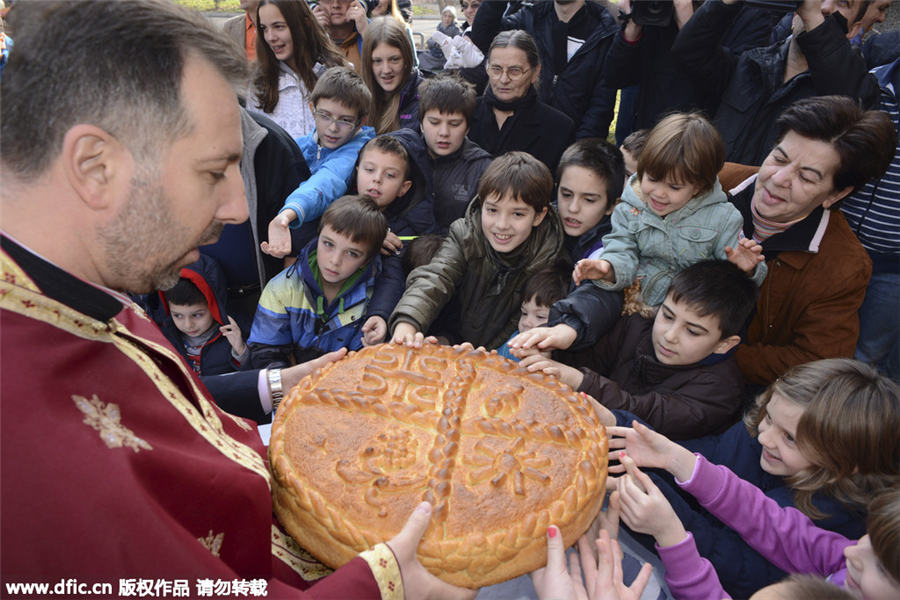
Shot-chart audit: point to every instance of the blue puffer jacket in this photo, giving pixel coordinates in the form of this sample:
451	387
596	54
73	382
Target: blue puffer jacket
294	316
653	249
331	169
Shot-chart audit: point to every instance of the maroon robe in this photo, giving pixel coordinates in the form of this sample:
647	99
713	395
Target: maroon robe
115	462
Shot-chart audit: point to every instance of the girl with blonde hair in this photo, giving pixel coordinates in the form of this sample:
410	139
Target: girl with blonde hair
824	438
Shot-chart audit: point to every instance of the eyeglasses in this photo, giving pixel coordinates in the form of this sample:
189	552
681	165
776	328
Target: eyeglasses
513	73
328	120
466	5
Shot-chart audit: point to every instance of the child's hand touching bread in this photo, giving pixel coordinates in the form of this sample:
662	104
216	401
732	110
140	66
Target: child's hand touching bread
591	268
407	334
648	448
558	337
568	375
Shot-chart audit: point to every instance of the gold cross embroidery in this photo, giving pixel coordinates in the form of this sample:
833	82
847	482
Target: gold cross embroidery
105	418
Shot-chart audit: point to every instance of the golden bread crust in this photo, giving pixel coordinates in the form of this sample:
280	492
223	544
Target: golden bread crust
500	454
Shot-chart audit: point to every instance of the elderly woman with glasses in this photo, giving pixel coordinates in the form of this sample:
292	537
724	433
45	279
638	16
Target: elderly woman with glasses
510	116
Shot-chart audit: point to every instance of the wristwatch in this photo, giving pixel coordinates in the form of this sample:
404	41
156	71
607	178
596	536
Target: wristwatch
275	389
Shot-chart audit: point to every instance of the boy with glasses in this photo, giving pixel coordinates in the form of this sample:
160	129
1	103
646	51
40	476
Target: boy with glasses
339	103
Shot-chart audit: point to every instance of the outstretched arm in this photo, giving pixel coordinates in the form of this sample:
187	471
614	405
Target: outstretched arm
648	448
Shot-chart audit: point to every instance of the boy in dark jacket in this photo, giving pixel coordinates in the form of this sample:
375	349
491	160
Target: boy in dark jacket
446	165
510	232
590	183
675	371
196	324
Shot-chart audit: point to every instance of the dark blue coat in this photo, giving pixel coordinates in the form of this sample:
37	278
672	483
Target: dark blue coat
749	89
442	187
580	90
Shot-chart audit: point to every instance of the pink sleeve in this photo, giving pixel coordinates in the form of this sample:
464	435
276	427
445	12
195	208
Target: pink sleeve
785	536
690	576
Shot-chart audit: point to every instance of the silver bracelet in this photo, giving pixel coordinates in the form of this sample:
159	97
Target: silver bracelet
275	389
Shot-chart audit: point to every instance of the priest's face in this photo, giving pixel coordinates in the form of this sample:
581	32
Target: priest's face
185	198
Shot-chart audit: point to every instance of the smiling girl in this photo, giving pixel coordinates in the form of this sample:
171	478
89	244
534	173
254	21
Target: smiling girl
389	72
288	71
822	439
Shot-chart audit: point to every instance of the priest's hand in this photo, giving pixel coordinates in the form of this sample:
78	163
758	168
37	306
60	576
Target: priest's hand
291	376
417	581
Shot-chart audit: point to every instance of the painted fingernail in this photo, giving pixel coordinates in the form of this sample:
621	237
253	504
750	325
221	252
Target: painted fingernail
551	531
621	454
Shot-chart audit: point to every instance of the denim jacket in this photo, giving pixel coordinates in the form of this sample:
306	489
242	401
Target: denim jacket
653	249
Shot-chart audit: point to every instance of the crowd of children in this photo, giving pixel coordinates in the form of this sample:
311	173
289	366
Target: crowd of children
629	274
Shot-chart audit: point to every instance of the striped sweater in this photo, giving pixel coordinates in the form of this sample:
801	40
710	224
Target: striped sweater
873	211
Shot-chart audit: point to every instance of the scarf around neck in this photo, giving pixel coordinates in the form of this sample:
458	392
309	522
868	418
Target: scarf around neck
528	99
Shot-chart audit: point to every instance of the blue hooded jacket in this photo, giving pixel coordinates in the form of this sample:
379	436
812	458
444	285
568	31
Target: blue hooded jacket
294	315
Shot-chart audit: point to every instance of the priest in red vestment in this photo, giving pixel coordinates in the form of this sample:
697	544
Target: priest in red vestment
120	146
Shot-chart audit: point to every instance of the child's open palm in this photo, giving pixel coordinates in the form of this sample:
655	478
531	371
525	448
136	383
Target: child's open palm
591	268
279	244
646	447
746	254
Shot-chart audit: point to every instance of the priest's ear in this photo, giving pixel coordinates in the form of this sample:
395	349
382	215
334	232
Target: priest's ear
97	166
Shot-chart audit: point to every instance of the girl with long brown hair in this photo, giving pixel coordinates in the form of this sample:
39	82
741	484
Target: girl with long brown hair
389	71
292	50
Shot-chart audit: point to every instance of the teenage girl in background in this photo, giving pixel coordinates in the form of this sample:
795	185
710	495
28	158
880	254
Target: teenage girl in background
288	71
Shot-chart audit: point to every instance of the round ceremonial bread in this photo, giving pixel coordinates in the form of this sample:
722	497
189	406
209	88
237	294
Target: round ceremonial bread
500	454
